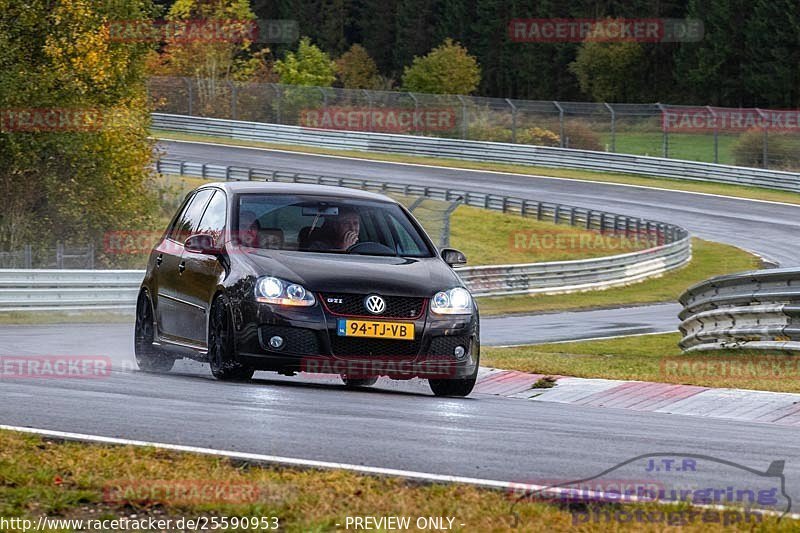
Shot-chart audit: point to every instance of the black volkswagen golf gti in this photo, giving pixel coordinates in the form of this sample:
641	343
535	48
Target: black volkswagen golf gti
305	278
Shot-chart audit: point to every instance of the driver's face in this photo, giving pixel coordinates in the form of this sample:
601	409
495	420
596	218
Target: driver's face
349	222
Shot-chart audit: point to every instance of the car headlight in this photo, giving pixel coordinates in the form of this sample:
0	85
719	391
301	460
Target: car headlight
456	301
271	290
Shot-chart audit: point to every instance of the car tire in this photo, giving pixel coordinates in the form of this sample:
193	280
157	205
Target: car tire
452	387
149	358
357	383
221	353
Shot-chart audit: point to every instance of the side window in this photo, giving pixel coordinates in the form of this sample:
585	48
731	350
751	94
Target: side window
406	243
213	221
190	218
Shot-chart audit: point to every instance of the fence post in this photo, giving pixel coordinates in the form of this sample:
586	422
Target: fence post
464	119
59	255
369	107
416	105
234	90
716	133
665	142
765	145
560	123
444	238
613	127
191	95
513	120
28	256
91	256
278	97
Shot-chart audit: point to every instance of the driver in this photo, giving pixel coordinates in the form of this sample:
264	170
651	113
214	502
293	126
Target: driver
338	233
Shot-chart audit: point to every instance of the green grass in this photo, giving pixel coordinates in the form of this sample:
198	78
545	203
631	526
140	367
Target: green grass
709	259
42	477
608	177
66	317
651	358
692	147
489	237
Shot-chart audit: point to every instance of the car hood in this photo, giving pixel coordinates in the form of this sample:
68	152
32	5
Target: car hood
323	272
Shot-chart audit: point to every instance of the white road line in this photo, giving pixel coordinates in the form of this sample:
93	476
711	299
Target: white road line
352	158
582	340
518	489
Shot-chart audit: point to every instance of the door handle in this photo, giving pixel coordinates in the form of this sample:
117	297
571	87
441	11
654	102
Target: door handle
159	260
182	267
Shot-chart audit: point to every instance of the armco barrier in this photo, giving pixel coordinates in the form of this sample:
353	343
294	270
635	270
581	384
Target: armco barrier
480	151
41	290
753	310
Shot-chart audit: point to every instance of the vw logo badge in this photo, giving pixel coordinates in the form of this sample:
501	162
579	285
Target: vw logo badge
375	304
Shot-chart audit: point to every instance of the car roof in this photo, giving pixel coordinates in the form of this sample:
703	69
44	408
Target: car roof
272	187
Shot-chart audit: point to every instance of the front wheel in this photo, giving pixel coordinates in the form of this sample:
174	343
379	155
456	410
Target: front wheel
453	387
224	365
149	357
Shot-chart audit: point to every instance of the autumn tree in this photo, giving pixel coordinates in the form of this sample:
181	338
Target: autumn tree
447	69
73	178
357	70
609	72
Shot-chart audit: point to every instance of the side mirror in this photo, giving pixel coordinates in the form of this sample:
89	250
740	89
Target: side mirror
201	244
453	257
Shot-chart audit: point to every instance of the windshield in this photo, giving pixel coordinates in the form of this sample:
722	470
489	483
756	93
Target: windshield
324	224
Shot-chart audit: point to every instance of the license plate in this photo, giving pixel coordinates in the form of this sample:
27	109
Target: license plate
380	330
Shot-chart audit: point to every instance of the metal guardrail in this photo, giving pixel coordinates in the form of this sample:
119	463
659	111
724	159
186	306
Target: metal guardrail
67	290
757	310
480	151
38	290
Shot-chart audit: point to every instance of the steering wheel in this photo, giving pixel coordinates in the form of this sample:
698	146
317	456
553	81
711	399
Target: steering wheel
370	247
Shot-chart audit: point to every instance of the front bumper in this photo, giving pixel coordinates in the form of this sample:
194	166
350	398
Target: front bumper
311	344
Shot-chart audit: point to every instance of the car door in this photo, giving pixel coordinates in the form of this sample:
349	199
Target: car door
171	310
202	272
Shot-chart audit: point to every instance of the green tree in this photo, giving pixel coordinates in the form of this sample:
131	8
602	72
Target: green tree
447	69
608	72
711	71
772	42
76	181
357	70
308	66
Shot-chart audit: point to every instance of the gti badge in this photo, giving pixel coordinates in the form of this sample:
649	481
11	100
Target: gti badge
375	304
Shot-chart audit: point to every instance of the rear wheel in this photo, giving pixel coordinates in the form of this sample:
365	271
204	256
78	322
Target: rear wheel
353	383
224	365
149	357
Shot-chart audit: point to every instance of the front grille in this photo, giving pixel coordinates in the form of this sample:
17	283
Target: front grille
296	340
356	346
405	307
445	344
